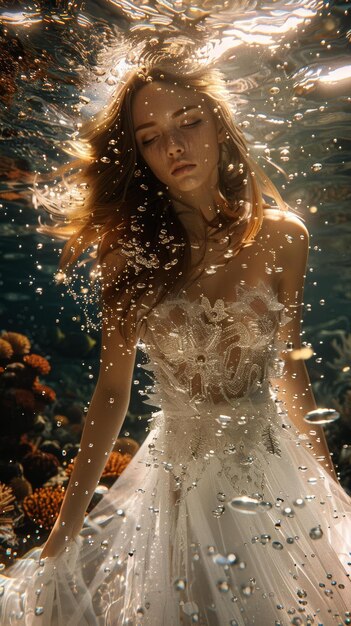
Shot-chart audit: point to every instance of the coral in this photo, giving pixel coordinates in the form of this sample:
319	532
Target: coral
24	399
114	467
19	375
126	445
116	464
61	420
6	504
6	350
44	392
39	466
38	363
43	506
343	351
19	343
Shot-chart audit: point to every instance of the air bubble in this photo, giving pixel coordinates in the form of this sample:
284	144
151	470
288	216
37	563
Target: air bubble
39	610
180	584
222	586
316	167
277	545
245	504
321	416
316	533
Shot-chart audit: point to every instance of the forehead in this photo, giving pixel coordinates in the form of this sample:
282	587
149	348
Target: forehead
158	99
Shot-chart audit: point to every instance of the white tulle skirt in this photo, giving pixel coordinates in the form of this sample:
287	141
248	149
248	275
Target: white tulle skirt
209	524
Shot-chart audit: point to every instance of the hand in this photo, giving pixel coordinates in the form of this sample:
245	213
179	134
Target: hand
59	537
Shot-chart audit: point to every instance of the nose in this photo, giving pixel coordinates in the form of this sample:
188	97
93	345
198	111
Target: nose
174	145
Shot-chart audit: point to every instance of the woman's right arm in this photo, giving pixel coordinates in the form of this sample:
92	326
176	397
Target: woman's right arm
104	420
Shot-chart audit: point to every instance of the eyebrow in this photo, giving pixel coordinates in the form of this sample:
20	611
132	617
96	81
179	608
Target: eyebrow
176	114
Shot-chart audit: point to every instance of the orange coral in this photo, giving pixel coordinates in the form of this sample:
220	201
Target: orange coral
6	350
61	420
116	464
114	467
6	506
126	444
37	362
44	505
46	393
25	399
20	343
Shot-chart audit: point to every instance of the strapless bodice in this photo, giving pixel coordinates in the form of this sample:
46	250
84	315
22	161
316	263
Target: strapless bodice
213	353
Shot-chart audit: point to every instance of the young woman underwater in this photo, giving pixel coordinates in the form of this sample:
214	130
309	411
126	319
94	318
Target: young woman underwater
231	512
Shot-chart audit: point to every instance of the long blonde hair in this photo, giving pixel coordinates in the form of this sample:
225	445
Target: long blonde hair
111	200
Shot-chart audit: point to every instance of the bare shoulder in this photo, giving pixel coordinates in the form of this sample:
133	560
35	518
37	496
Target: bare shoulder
281	223
289	237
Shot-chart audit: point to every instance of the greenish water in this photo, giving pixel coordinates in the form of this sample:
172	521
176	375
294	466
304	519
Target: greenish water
289	69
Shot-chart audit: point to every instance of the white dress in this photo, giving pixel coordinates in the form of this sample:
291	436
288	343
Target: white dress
223	517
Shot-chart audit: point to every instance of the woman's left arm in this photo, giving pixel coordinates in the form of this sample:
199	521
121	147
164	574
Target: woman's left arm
294	388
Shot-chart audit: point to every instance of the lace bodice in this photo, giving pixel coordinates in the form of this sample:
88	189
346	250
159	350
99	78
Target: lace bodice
203	353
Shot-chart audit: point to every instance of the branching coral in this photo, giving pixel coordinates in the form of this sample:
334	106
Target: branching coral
38	363
344	352
6	504
43	506
114	467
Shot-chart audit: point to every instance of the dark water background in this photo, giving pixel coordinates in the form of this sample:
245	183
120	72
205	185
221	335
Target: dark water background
293	96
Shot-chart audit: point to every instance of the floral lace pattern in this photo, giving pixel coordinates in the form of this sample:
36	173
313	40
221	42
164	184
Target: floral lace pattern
212	366
200	352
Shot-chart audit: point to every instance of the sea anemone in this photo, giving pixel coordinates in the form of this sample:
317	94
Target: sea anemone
6	504
19	343
39	466
38	363
43	506
6	350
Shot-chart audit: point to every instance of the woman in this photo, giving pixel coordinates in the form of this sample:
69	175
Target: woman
231	511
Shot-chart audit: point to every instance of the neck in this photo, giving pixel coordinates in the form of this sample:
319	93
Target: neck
195	209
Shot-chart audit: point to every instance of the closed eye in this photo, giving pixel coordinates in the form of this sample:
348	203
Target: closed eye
145	143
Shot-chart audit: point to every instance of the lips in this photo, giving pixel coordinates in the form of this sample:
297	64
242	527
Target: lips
180	165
